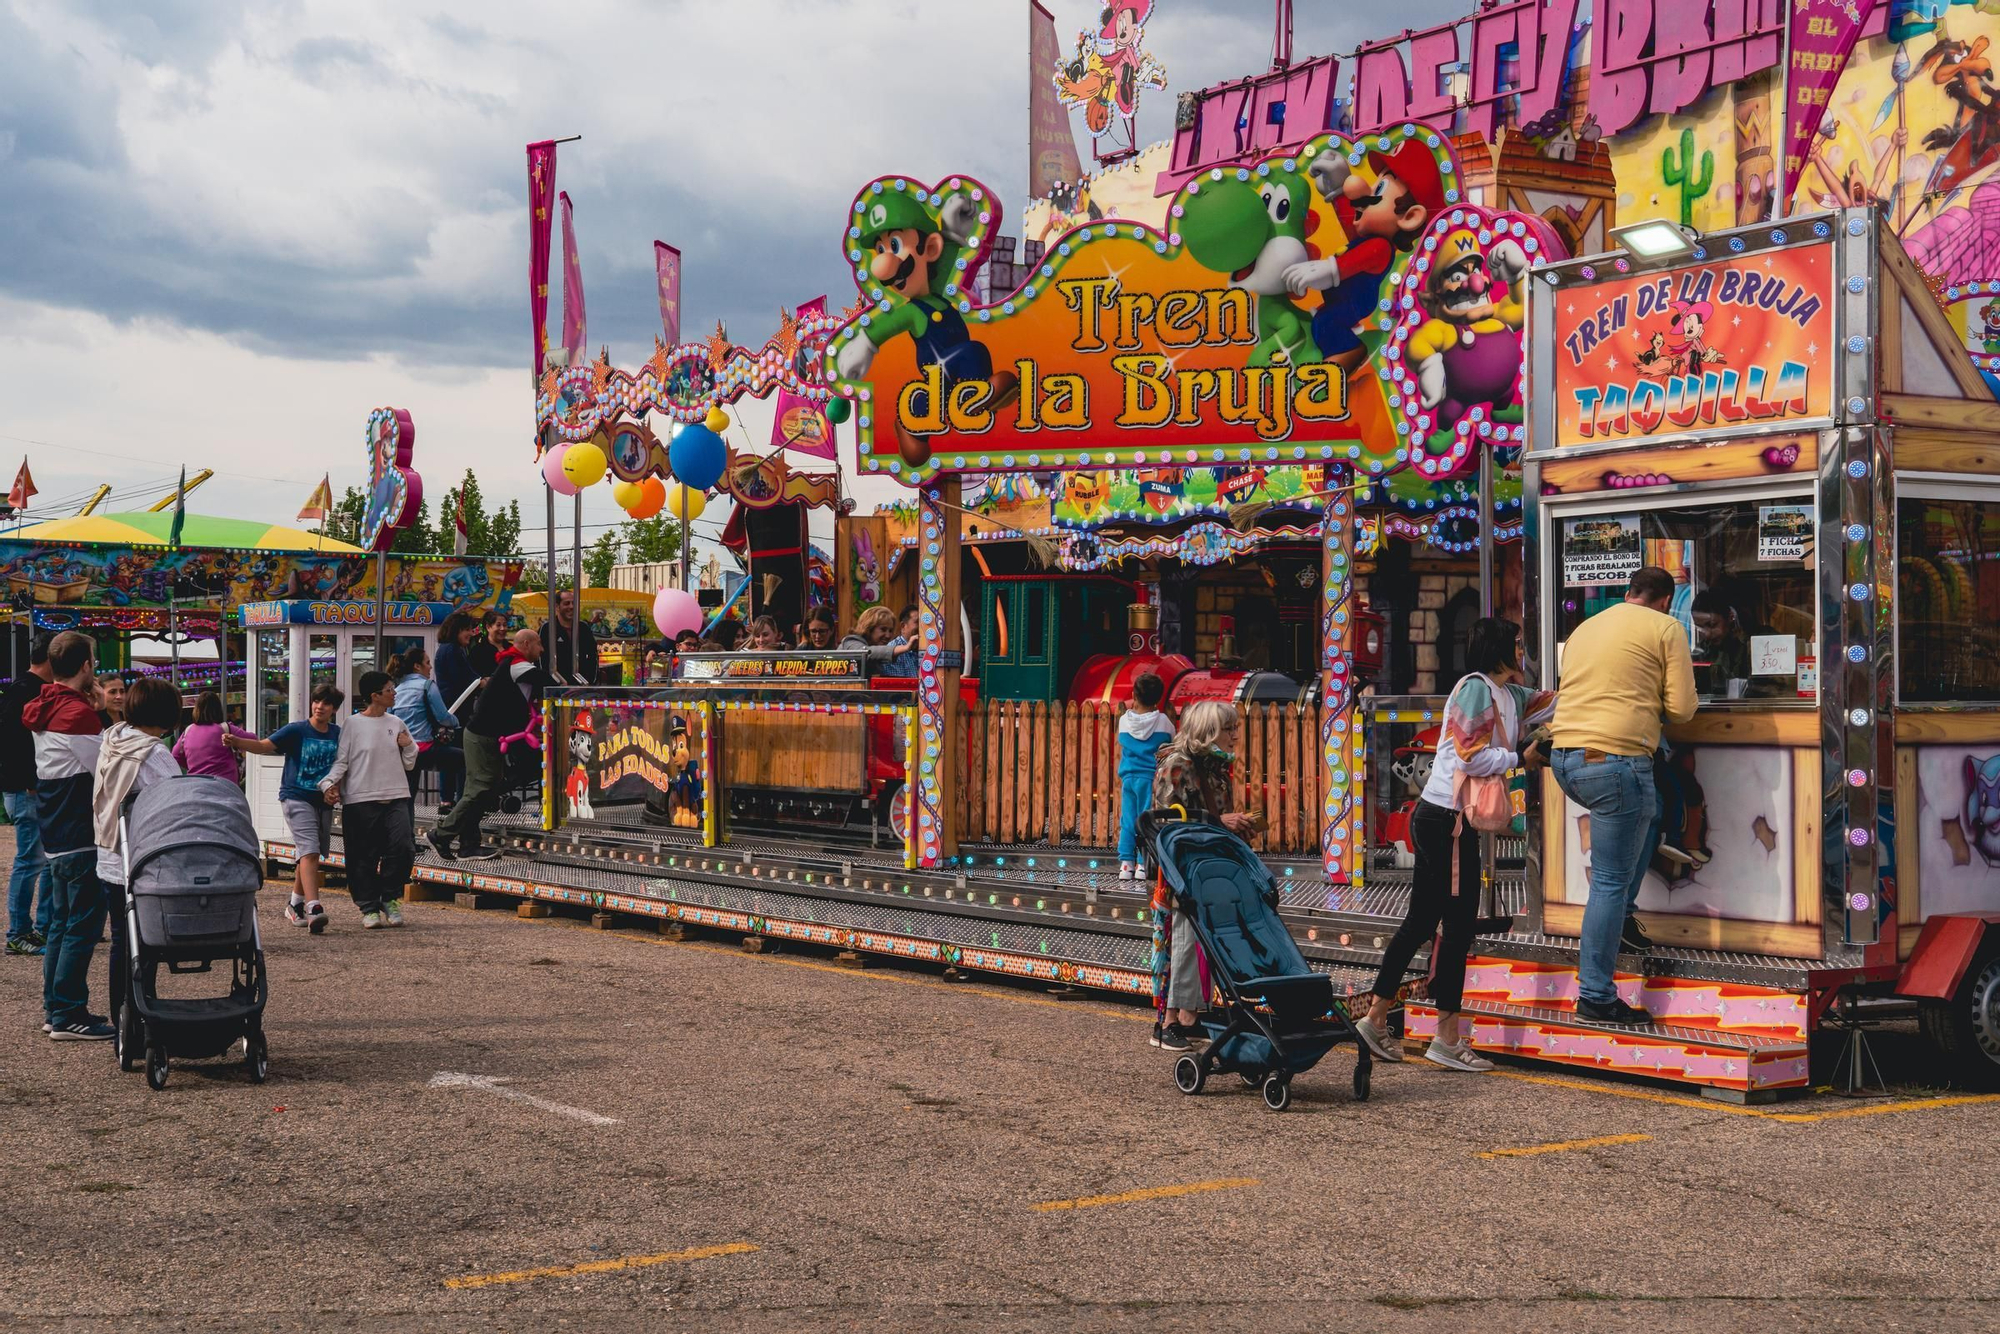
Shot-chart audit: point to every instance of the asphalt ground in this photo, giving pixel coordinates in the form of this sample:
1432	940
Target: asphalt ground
482	1122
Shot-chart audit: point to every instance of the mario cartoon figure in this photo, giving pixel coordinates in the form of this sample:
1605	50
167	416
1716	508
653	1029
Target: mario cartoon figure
582	750
916	254
1381	218
1469	351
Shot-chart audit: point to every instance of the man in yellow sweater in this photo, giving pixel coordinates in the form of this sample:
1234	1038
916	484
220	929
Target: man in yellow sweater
1622	670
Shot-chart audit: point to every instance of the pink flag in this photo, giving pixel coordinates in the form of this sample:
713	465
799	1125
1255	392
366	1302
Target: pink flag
574	334
541	193
1823	36
800	425
1052	159
668	262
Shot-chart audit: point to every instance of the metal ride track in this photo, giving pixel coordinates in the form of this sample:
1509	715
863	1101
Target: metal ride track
1045	914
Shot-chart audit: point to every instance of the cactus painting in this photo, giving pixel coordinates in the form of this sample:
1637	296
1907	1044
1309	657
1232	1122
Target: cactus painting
1693	182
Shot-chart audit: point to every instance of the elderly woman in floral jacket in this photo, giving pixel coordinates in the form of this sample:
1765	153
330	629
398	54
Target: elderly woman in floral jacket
1195	774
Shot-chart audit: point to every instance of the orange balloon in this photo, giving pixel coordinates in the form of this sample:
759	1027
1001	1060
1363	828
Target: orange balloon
652	499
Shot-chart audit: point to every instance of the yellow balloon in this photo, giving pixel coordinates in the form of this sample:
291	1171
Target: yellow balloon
717	420
584	464
627	494
685	503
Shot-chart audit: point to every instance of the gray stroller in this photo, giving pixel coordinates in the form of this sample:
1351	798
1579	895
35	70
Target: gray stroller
193	866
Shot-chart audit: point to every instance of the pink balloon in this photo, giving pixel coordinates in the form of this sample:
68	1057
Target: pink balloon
552	473
675	610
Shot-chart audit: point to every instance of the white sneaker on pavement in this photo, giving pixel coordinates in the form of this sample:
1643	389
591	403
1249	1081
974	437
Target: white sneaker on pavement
1380	1043
1461	1057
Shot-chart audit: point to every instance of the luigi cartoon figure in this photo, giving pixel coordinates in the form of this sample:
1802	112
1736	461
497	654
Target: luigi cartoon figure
916	252
1382	218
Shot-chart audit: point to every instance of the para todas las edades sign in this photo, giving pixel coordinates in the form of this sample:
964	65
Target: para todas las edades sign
1732	343
1337	303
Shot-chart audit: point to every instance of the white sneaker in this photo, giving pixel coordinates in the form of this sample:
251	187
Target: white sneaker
1461	1057
1124	870
1378	1042
392	912
372	921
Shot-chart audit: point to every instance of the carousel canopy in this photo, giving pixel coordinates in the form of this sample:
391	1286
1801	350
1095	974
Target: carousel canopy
199	530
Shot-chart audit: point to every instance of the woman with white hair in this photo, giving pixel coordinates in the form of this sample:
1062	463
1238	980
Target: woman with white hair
1195	774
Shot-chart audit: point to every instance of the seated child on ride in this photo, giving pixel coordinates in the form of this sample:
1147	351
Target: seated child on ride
1142	730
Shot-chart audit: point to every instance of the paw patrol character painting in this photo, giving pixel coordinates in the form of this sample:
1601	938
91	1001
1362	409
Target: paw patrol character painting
915	256
1468	353
582	751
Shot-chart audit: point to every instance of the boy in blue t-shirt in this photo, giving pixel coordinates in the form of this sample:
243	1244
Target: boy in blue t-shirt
1142	730
309	749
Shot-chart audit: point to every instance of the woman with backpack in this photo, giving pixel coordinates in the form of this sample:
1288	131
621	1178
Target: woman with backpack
422	710
1485	719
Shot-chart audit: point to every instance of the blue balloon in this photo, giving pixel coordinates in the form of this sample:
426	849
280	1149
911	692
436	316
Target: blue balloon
697	456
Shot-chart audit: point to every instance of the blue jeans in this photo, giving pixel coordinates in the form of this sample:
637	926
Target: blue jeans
1624	809
30	868
74	926
1135	799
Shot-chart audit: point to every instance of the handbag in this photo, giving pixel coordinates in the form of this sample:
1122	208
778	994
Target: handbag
1484	801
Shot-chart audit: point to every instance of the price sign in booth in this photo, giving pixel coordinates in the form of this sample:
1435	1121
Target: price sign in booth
301	643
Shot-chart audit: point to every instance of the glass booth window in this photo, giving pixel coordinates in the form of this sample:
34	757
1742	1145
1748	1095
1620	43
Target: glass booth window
1744	586
1948	597
273	685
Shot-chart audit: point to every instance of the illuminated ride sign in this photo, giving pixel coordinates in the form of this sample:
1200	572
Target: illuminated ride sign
790	670
1741	342
1340	303
305	611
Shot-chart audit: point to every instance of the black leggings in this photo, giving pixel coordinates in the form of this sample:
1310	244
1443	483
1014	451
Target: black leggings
1432	902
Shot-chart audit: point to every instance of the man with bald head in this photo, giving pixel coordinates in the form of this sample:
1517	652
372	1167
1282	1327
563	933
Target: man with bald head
504	707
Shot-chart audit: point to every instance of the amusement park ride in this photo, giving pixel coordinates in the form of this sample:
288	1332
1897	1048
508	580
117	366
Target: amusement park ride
1236	445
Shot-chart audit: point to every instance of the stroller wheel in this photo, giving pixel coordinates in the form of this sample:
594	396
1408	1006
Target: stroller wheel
1250	1079
1189	1077
156	1067
127	1041
257	1056
1277	1092
510	805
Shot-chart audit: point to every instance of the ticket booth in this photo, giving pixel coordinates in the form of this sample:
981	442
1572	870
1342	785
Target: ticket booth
301	643
1778	418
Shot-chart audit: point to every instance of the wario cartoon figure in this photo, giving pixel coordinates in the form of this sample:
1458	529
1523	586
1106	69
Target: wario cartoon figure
1382	218
1469	351
915	256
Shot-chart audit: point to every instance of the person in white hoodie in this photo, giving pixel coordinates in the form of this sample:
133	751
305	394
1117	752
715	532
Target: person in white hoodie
134	756
370	782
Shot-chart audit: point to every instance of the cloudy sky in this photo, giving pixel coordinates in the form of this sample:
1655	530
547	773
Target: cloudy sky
230	229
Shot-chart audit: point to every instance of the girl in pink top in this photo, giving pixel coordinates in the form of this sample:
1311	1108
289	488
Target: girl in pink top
200	749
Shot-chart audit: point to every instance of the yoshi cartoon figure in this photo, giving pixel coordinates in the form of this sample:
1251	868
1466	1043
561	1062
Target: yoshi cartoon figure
1255	231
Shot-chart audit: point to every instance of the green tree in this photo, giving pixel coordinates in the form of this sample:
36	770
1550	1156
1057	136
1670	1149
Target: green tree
650	540
495	534
597	561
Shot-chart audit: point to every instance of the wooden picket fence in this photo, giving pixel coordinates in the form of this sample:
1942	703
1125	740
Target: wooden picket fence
1048	773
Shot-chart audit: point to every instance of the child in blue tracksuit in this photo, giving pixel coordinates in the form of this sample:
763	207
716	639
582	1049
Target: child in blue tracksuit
1142	730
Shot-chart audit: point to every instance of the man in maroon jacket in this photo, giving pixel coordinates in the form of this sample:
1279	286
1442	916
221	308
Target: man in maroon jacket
67	731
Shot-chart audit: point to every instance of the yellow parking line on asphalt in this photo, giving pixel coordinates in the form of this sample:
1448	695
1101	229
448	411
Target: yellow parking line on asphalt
1149	1193
1565	1145
598	1266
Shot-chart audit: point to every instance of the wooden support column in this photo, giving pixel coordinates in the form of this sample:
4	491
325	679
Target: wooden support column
1340	845
941	658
